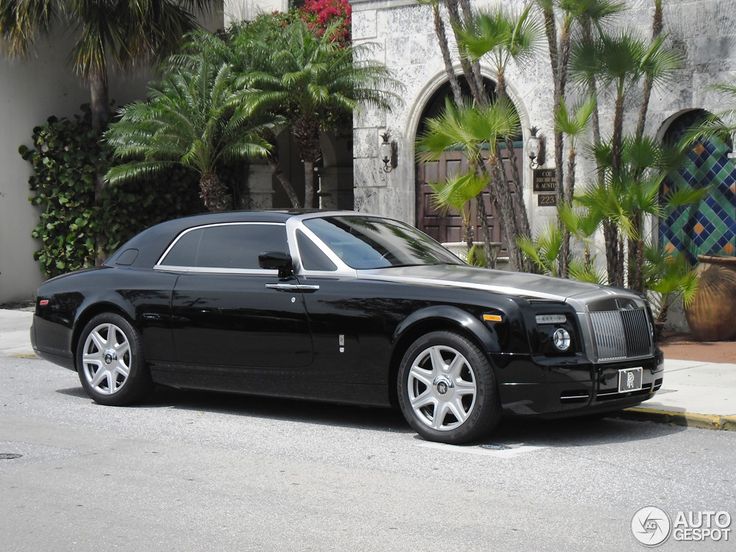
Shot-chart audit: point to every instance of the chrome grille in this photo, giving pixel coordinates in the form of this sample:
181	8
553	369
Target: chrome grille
638	336
621	334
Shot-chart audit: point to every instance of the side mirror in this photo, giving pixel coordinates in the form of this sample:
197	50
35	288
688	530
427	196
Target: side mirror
276	260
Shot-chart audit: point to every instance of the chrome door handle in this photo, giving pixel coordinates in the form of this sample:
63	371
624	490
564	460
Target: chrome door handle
305	288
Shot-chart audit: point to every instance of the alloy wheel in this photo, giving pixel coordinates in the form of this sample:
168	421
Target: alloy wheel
442	388
106	359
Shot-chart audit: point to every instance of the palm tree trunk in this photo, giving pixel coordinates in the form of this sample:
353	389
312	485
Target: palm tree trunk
610	233
273	162
508	216
439	30
487	239
468	223
567	199
306	135
563	59
635	247
214	193
595	121
518	224
99	101
550	29
100	113
309	184
657	27
618	130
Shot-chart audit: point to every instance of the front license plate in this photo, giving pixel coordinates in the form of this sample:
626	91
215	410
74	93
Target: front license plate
629	379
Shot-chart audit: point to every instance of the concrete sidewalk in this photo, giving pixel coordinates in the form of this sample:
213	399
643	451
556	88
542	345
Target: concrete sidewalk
701	394
15	337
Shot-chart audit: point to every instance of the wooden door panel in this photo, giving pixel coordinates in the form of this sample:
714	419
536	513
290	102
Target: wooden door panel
447	225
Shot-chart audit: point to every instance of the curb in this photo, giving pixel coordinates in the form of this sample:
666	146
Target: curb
689	419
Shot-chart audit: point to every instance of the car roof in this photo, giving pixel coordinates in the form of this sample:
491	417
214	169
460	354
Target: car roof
151	243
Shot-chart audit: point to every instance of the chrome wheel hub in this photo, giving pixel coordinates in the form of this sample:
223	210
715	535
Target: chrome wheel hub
442	385
106	359
441	388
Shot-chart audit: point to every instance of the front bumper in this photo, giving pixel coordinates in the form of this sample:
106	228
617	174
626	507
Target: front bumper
549	389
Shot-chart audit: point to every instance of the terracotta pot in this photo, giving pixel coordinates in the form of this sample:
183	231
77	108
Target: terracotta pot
712	314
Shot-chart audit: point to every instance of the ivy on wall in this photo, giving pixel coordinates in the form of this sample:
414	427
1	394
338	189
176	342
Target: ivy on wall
66	158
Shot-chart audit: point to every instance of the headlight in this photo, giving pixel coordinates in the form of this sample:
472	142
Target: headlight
561	339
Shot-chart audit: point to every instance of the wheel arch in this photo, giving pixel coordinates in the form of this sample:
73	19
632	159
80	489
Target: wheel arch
437	318
89	312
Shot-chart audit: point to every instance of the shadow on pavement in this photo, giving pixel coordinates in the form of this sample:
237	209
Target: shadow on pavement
73	392
569	432
294	410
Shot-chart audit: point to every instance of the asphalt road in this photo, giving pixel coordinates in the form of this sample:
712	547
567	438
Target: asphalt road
200	471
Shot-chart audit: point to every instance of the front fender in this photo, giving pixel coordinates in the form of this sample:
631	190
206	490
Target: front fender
456	317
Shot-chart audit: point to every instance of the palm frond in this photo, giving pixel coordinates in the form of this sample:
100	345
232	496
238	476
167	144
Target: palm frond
135	170
573	122
508	35
544	251
21	23
457	190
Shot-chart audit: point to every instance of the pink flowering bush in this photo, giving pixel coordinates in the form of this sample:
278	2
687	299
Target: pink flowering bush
320	15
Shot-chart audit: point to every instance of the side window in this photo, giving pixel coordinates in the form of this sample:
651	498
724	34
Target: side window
227	246
311	255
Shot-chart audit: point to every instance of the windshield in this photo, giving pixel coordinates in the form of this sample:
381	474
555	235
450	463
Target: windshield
368	242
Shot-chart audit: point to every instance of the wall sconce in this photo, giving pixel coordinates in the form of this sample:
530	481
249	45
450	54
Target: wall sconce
535	148
388	152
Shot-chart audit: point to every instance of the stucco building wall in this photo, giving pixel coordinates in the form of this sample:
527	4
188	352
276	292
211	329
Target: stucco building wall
402	34
31	90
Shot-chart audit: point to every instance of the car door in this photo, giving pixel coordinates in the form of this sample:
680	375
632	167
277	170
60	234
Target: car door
228	317
347	318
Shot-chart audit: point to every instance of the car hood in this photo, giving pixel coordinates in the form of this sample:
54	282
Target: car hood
520	284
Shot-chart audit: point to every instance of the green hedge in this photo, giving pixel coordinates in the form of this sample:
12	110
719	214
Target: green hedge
66	159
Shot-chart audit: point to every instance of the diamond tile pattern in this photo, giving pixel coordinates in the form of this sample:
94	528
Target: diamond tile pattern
709	227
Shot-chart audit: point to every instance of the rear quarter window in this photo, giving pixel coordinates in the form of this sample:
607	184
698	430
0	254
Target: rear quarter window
234	246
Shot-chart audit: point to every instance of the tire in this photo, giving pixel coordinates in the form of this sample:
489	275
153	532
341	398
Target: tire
111	367
463	380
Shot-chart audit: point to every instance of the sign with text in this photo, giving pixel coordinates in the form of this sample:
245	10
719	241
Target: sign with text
545	180
546	200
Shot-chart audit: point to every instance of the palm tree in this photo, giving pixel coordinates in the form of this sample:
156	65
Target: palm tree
583	15
196	118
620	62
571	123
502	36
475	130
314	82
110	33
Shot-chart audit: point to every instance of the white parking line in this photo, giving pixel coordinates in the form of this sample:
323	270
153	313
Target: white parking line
497	450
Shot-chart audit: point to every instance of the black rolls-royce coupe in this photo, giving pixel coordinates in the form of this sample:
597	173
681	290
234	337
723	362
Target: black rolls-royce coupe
346	307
